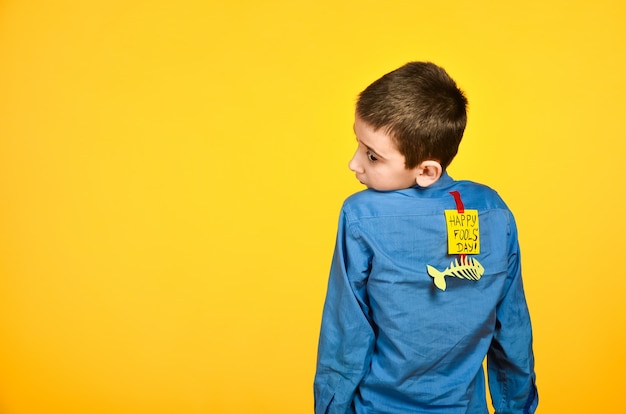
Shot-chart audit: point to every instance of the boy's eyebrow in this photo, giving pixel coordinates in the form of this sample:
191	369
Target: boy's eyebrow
373	151
378	154
364	144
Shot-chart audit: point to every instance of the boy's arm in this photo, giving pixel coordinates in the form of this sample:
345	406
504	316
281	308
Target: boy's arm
510	361
346	337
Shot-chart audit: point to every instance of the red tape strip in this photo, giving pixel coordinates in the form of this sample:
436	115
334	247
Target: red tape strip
460	208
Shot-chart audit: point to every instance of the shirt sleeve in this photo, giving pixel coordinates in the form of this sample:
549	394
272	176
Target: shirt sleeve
346	336
510	361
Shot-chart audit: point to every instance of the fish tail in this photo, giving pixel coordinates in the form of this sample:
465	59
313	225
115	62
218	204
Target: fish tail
439	277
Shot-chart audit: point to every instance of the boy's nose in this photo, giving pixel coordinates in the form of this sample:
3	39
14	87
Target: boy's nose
354	165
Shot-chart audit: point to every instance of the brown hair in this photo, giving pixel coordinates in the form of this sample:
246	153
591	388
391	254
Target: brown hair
420	106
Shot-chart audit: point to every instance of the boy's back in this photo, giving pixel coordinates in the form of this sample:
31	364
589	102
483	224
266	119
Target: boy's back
426	350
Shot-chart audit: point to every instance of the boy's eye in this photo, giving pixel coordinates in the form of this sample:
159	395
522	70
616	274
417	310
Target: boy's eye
371	156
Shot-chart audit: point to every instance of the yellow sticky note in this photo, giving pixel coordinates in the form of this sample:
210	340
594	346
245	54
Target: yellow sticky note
463	232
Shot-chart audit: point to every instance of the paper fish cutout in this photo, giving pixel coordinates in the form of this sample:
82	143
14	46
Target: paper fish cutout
463	268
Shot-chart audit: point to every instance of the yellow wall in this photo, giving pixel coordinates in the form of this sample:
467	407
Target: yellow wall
171	174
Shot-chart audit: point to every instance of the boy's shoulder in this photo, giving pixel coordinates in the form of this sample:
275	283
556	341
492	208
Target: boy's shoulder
417	203
430	199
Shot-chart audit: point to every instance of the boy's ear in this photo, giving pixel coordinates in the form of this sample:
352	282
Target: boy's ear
427	172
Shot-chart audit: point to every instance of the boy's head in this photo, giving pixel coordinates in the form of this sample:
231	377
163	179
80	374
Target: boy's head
420	108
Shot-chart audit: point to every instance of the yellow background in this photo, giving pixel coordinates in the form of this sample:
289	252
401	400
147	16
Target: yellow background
171	174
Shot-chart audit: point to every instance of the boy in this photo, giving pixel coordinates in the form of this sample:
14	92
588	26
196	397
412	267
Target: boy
425	280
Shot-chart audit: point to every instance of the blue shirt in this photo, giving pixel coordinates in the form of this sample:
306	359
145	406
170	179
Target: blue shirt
392	341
